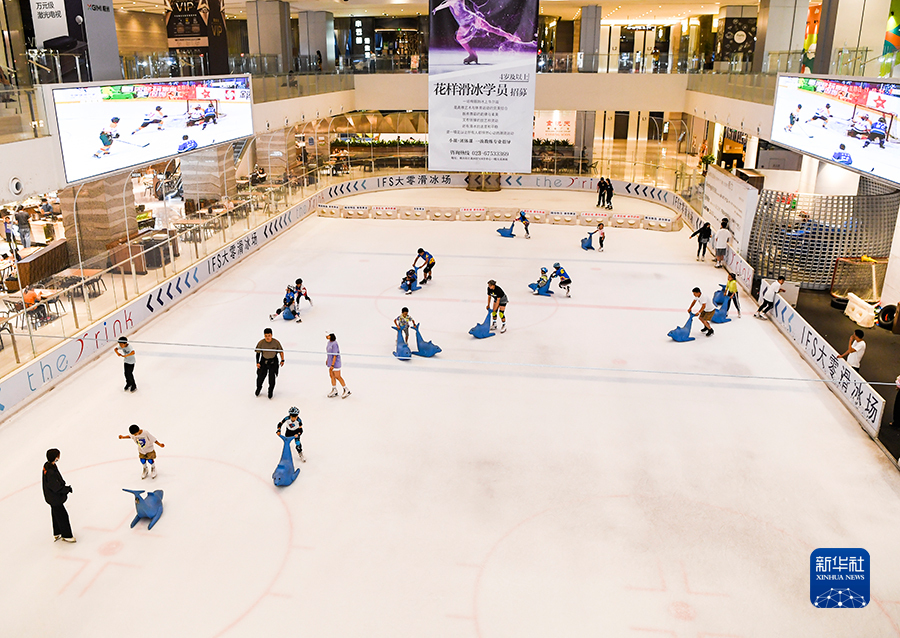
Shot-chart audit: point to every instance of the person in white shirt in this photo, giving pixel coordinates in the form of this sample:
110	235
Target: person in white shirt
722	236
146	451
855	350
769	299
705	310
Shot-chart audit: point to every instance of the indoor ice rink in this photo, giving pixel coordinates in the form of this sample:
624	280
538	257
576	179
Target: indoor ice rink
580	475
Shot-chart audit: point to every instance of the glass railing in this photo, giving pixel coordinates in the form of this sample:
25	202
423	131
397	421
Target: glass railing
749	87
22	114
97	285
283	86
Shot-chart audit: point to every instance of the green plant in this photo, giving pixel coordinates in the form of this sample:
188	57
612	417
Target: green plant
708	159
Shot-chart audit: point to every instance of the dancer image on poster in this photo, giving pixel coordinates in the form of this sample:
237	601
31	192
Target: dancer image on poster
471	22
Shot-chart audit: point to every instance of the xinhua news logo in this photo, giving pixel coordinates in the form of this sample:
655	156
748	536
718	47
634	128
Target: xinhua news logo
839	578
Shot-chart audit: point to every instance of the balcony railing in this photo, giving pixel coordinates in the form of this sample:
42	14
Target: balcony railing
22	114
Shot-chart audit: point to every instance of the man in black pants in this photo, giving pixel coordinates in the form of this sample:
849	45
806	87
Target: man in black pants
601	193
55	493
267	352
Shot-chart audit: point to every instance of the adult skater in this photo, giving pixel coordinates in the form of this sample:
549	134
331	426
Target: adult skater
769	299
153	117
601	235
705	310
146	451
187	144
289	302
471	22
403	321
860	126
300	292
124	350
703	234
427	263
55	493
841	156
498	299
601	193
209	116
610	191
564	280
107	135
333	361
822	115
721	243
878	133
855	350
293	427
525	222
731	292
267	352
793	118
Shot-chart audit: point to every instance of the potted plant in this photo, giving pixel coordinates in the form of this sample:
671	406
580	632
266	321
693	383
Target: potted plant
706	160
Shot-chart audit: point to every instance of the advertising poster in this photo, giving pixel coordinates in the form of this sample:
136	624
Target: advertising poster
728	197
481	85
49	19
104	128
198	25
852	123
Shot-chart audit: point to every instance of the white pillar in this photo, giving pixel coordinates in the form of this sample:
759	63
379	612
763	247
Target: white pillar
809	171
751	153
269	30
861	24
589	38
781	26
890	293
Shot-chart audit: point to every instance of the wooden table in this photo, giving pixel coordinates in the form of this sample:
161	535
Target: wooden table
92	276
190	227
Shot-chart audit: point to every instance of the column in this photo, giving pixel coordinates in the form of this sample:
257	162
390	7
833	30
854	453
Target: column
589	39
859	27
317	39
276	152
780	26
269	30
585	122
102	216
209	174
752	152
809	171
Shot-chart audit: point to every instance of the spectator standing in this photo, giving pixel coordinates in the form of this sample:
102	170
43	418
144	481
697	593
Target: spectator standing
268	350
55	493
769	298
856	349
8	231
23	221
702	234
722	236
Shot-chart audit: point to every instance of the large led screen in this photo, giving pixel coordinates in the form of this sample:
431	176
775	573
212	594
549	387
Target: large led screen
849	122
105	128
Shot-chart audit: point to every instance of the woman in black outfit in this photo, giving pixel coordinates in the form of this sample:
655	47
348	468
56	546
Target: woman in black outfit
55	493
703	234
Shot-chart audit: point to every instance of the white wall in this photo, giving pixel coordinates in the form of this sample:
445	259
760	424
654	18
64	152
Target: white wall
788	181
283	113
890	293
834	180
37	162
749	117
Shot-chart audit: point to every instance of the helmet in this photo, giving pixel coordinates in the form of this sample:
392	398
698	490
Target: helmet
115	119
410	272
122	340
159	108
491	282
294	411
556	265
543	270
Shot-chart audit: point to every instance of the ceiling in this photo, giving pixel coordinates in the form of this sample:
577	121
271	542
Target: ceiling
618	12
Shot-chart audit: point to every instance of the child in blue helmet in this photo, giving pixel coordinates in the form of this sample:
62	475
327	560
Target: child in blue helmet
525	222
564	280
541	280
290	297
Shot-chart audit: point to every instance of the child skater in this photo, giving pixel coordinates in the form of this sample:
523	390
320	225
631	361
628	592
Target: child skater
293	427
601	235
146	451
409	280
403	321
564	280
300	291
731	291
524	219
428	263
542	280
287	304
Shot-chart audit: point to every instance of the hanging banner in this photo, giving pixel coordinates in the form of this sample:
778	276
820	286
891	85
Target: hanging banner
481	68
199	26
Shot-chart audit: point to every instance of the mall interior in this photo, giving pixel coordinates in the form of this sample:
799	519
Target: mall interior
642	93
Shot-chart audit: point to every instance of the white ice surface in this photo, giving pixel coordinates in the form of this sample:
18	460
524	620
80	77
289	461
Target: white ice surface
530	484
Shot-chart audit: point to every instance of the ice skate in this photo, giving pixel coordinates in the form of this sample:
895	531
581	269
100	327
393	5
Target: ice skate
710	332
333	392
503	327
134	388
69	540
302	458
567	292
299	320
153	471
472	59
346	393
527	236
409	292
493	325
56	538
145	473
272	317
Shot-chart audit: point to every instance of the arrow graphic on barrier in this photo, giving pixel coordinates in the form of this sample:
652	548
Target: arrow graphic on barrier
178	284
628	188
149	307
159	297
169	291
195	275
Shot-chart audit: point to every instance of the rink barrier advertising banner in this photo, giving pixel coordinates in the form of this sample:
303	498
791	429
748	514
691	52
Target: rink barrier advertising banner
820	115
864	403
106	128
481	78
728	197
